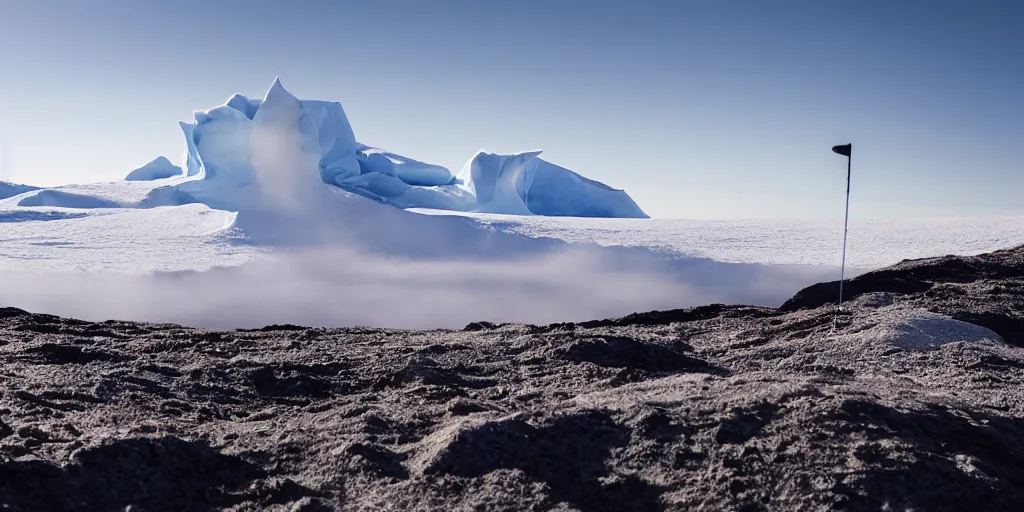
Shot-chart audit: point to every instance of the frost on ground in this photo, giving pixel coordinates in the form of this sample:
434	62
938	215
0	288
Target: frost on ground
913	402
915	329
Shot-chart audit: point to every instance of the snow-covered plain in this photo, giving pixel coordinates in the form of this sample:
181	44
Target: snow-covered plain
361	262
256	229
348	260
872	243
196	237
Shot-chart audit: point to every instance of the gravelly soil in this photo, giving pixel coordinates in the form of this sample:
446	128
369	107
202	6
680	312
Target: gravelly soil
716	408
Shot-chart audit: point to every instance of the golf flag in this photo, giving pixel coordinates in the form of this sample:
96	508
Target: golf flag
845	150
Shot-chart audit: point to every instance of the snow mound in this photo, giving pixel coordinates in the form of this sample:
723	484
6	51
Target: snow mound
219	147
158	169
61	199
8	189
913	329
138	241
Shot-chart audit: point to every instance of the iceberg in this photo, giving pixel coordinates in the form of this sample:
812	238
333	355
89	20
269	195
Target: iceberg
158	169
223	145
524	184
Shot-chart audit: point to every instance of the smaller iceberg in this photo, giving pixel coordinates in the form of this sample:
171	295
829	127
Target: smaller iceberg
158	169
523	184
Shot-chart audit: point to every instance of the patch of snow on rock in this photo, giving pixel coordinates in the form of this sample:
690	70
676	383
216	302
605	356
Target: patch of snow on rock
914	329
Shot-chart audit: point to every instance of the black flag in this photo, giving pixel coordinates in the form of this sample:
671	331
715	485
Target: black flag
844	150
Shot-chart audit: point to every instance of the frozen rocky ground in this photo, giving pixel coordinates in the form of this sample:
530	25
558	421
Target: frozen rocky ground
913	402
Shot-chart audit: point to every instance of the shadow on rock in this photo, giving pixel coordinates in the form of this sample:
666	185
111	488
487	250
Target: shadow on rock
1008	327
150	474
295	380
426	371
746	425
56	353
682	315
621	352
955	462
569	454
377	460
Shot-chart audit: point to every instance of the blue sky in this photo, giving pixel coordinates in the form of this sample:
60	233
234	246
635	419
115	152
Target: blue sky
701	109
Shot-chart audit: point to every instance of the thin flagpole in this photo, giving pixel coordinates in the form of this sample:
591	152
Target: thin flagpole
846	224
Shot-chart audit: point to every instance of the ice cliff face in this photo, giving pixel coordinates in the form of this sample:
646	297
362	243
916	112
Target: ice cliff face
225	145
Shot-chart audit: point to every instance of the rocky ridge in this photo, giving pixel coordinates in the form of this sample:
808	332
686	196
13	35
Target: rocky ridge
911	401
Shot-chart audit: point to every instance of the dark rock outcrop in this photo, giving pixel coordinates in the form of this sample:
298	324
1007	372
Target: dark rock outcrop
897	406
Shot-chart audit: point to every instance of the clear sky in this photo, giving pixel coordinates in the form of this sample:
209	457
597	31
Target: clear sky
697	108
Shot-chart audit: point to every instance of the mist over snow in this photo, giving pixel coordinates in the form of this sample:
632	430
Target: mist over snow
277	215
341	286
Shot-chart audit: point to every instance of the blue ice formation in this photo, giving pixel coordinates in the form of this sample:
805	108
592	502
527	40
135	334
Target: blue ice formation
225	145
524	184
158	169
